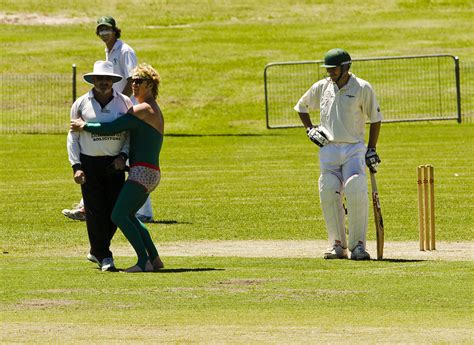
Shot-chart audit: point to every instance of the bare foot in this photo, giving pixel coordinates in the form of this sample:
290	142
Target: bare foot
133	269
149	267
137	269
157	264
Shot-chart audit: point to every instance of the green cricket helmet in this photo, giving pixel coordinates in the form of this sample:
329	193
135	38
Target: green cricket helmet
336	57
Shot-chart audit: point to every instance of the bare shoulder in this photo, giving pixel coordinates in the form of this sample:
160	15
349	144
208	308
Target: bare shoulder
142	110
151	114
142	107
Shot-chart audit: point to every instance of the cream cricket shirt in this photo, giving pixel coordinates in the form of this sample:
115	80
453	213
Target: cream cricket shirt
124	59
342	112
93	144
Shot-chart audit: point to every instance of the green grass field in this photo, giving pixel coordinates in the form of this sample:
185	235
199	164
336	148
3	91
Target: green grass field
229	300
227	178
248	187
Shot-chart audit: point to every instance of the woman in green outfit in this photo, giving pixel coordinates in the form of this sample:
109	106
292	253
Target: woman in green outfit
145	124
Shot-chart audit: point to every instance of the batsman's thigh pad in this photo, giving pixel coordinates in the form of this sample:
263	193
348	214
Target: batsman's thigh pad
329	183
330	187
356	184
354	163
357	208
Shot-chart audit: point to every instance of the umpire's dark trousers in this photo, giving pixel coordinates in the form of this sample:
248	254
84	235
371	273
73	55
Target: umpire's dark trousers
100	192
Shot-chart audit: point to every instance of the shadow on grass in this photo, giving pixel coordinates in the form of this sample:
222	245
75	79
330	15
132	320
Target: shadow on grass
184	270
223	135
178	270
400	260
167	222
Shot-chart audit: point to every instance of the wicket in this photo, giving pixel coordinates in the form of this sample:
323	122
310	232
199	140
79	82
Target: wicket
426	207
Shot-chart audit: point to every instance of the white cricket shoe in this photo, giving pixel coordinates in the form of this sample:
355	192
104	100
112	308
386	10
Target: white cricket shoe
93	259
76	213
144	219
108	265
359	253
336	252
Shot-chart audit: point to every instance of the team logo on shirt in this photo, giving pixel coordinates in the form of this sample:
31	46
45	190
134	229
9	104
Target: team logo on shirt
113	137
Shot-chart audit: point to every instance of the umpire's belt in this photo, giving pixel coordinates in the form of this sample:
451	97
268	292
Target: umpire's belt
97	158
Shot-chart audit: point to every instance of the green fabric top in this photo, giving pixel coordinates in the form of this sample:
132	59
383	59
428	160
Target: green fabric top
145	141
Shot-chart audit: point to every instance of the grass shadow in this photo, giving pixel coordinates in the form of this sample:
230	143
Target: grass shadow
167	222
184	135
400	260
184	270
177	270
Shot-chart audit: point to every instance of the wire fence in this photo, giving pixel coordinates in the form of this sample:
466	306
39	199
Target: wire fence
35	103
416	88
40	103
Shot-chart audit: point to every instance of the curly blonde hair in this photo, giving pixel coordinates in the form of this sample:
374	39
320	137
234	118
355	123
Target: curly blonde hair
149	74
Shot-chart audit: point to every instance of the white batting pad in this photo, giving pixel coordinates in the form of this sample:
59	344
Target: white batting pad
357	209
330	189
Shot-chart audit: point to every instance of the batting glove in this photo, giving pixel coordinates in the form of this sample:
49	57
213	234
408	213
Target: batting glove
372	159
318	135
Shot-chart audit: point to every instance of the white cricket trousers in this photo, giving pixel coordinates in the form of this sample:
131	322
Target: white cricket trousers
343	173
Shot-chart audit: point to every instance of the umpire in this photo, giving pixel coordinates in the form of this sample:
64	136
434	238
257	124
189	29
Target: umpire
98	162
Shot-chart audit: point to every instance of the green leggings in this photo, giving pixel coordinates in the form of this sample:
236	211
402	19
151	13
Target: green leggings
131	198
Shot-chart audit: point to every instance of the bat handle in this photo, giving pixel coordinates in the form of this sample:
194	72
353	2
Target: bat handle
373	182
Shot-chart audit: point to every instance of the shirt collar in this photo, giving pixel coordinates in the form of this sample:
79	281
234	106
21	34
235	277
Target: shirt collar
348	84
90	94
118	43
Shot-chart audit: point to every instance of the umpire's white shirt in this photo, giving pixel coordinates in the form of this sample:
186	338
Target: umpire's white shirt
90	144
124	59
343	112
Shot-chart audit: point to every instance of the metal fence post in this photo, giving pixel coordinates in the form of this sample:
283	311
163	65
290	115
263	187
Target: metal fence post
458	87
73	83
266	97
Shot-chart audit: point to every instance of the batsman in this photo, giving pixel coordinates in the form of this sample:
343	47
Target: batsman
344	102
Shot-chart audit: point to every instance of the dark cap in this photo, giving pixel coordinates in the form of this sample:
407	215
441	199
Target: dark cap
336	57
107	21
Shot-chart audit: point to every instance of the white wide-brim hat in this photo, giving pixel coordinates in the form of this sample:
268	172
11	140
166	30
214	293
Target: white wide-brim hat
102	68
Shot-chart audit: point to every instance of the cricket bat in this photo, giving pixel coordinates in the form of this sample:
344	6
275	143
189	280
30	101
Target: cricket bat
377	216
